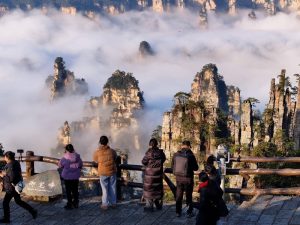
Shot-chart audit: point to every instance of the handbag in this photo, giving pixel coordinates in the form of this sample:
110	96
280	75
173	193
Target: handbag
19	186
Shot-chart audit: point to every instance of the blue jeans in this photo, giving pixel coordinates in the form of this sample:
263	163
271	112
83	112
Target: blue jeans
108	185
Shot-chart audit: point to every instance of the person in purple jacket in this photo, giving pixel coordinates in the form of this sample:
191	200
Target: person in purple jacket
71	165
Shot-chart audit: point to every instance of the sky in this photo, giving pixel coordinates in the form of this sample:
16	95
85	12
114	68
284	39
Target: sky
248	53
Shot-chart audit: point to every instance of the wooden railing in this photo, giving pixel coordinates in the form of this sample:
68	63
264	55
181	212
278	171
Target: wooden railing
30	158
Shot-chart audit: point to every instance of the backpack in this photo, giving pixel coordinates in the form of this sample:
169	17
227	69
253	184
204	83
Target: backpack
180	167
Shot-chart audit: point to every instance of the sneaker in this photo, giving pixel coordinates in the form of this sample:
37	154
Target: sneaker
114	206
75	205
4	221
104	207
178	214
34	214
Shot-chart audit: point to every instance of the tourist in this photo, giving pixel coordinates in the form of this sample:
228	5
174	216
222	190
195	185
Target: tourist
153	176
210	196
106	159
12	175
184	164
71	165
213	174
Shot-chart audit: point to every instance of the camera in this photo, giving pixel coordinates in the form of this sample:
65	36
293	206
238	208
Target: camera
20	151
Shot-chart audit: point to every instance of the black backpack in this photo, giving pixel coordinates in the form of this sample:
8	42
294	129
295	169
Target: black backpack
180	167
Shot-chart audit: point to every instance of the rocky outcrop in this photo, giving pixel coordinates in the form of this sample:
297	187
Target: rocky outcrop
296	120
247	124
145	49
63	83
212	113
115	113
205	116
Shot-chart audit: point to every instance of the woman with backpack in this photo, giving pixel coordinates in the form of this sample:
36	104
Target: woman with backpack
71	165
153	176
12	175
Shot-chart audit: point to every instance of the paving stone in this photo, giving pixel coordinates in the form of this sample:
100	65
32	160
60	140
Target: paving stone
266	219
295	220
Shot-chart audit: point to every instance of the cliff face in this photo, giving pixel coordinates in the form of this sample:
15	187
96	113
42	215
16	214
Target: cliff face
63	83
120	6
114	113
212	114
206	115
281	117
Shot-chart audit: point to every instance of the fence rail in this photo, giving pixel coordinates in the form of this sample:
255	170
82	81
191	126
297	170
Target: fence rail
30	158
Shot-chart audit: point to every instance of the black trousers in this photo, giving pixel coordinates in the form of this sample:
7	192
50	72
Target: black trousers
182	187
72	191
7	198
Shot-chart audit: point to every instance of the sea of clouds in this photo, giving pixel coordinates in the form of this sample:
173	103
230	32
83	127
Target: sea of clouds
248	53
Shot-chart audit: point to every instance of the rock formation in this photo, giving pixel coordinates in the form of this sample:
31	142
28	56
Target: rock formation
212	113
89	8
114	113
205	116
145	49
63	82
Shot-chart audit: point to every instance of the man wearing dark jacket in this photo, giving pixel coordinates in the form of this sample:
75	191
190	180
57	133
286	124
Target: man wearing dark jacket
184	164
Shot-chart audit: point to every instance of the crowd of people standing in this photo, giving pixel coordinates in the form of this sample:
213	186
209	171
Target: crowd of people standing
183	164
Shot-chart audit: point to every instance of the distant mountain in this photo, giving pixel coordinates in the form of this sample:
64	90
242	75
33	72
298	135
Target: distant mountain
91	7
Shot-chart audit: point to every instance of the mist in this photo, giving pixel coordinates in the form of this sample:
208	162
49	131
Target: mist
247	53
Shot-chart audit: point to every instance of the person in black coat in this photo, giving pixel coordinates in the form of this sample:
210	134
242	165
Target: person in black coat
153	176
12	174
210	194
184	181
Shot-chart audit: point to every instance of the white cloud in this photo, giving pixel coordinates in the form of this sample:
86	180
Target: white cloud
248	54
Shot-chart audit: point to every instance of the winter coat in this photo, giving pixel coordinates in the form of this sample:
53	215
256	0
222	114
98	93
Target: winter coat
13	175
71	165
210	193
106	159
153	176
192	165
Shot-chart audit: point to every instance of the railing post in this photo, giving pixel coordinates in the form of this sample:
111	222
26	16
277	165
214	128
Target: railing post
223	173
29	165
119	178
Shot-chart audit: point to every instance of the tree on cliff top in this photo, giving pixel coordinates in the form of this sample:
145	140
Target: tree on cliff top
121	80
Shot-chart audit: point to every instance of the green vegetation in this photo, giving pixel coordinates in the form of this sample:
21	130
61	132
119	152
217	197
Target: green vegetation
268	149
121	80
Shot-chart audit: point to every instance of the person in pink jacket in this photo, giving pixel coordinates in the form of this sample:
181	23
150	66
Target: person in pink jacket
71	165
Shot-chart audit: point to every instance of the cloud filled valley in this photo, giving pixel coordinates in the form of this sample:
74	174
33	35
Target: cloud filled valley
247	53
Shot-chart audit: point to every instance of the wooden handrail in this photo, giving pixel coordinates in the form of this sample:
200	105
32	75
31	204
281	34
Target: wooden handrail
266	159
267	191
29	158
262	171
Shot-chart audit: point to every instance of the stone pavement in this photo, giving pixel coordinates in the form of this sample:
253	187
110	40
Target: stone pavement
265	210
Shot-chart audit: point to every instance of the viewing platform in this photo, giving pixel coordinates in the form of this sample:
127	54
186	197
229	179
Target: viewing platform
265	210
